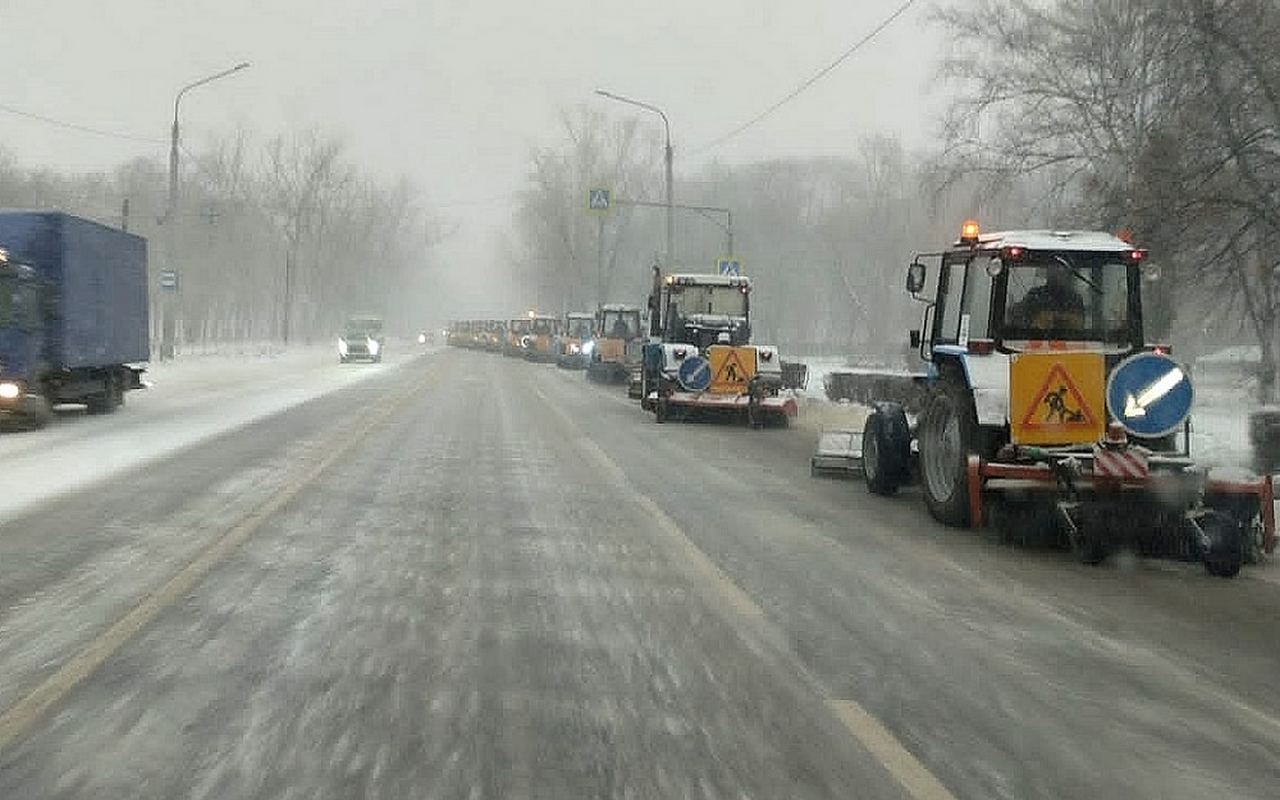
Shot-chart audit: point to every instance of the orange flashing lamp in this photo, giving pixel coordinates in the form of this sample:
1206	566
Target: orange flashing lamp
969	232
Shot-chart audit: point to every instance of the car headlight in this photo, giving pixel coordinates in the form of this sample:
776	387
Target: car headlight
9	390
374	347
342	346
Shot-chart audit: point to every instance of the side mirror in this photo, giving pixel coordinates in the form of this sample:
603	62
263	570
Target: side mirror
914	338
915	278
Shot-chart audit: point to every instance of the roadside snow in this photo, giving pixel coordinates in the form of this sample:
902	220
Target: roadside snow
189	400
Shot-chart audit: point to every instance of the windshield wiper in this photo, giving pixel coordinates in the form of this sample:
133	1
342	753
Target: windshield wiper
1079	275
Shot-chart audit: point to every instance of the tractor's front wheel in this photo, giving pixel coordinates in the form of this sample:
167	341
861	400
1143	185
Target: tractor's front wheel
1226	544
886	449
948	434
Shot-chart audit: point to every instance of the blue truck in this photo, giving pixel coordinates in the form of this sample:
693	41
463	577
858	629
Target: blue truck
73	314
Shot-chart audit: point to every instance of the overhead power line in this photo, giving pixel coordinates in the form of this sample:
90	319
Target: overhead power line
77	127
819	75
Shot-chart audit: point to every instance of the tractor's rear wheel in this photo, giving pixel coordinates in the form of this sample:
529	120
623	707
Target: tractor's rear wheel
948	434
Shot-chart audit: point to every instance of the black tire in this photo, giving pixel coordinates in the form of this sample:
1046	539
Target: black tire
1089	548
1225	553
948	434
886	449
660	410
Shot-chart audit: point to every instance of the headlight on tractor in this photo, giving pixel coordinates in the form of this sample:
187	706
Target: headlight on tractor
374	347
342	346
9	390
422	338
574	349
588	347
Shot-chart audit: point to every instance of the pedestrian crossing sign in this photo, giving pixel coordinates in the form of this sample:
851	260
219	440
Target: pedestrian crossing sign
598	200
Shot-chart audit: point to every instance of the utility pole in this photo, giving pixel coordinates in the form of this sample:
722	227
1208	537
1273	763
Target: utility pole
168	324
668	158
600	263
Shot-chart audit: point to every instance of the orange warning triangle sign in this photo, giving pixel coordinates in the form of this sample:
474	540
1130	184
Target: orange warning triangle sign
732	371
1059	404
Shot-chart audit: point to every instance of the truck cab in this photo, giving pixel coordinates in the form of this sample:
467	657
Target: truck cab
21	334
361	340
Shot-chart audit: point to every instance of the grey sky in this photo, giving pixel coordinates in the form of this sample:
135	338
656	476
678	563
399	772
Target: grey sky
456	93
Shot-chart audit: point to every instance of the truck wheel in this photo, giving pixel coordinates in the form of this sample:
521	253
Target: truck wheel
1225	553
886	449
948	434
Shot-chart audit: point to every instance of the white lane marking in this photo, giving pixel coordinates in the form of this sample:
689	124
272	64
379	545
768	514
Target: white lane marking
22	715
914	777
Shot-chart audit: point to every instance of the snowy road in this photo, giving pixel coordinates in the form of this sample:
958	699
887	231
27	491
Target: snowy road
189	401
466	576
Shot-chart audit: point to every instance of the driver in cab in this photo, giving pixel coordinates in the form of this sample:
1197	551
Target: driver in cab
1054	305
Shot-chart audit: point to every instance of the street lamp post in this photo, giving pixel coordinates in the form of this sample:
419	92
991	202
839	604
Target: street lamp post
171	209
173	140
671	219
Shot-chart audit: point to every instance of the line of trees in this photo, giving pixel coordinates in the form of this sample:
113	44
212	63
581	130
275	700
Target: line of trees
1161	117
1158	116
249	213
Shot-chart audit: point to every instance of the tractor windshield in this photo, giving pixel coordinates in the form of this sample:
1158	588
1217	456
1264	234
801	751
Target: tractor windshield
621	324
544	327
519	326
1070	296
730	301
580	328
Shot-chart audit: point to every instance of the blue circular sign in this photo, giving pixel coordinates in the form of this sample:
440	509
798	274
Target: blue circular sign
694	374
1149	394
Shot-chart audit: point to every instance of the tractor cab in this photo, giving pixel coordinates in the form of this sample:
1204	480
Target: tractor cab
578	329
518	331
702	310
1046	408
615	351
539	343
700	359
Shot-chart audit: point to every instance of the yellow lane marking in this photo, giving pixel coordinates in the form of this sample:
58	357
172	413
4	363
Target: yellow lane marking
19	718
876	739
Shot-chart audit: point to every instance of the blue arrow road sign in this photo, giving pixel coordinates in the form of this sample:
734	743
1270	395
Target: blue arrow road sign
729	266
694	374
1149	394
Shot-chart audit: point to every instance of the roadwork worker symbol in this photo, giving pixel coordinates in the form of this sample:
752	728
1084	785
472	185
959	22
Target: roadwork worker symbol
1056	398
732	368
1057	403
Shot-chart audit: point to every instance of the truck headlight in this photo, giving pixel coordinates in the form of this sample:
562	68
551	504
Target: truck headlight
342	346
9	390
374	347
